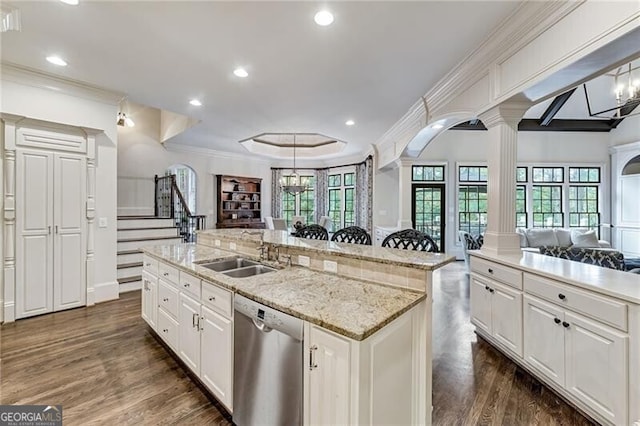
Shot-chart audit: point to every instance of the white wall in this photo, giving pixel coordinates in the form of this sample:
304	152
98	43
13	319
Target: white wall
141	156
469	146
628	131
56	104
385	197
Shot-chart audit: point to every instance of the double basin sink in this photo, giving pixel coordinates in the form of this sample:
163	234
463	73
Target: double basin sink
238	267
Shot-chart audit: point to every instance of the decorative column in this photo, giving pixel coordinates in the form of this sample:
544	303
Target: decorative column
91	213
404	193
9	216
502	121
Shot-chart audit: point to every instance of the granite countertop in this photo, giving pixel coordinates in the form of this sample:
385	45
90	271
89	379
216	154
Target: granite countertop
620	284
415	259
352	308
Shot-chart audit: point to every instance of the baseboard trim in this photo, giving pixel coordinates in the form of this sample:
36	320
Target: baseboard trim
9	314
130	286
106	291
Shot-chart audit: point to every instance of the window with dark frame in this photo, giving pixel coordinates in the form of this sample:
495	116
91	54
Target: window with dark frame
427	173
521	206
547	206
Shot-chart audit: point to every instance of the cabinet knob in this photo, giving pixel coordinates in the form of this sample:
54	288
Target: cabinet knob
562	296
491	290
165	330
557	320
187	285
565	324
486	287
166	274
490	270
212	299
165	299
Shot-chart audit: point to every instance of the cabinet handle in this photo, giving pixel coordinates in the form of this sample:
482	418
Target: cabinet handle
490	270
562	296
557	320
166	274
165	299
193	320
312	360
200	327
56	229
491	290
212	299
49	229
486	287
565	324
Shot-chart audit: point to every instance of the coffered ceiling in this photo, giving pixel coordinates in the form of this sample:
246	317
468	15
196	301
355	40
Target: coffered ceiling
369	66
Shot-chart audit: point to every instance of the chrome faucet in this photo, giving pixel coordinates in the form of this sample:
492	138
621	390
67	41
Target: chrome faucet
263	250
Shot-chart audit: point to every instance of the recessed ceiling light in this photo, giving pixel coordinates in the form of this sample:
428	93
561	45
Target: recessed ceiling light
323	18
437	126
195	102
241	72
350	122
57	60
71	2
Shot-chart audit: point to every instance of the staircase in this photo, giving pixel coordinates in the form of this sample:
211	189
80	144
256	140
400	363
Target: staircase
135	232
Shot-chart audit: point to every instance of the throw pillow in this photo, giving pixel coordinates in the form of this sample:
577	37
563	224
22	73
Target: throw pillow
564	237
588	239
542	237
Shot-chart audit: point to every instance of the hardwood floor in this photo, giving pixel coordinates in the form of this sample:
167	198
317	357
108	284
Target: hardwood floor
104	366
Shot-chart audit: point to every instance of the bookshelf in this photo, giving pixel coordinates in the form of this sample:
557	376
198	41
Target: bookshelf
239	202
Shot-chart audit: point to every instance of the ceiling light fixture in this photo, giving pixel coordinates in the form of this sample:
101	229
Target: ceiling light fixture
123	120
350	122
293	184
626	83
241	72
323	18
71	2
57	60
195	102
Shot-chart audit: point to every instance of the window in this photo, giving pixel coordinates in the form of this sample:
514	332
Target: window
583	207
186	182
342	199
299	204
547	206
548	174
584	174
472	199
521	174
427	173
521	206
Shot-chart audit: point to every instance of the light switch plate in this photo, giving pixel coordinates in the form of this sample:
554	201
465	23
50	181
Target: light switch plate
330	266
102	222
303	261
232	246
216	243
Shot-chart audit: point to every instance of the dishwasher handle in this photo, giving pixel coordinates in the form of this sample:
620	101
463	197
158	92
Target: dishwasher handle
261	326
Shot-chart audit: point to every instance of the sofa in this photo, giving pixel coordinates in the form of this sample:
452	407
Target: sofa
612	259
531	239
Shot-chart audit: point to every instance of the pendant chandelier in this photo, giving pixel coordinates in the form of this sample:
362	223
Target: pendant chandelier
293	184
626	95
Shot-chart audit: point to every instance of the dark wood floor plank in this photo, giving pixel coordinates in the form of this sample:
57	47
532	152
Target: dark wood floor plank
105	367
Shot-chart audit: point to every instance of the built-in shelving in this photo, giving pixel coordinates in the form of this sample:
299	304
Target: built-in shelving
239	202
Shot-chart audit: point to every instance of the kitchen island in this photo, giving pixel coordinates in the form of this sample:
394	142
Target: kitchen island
366	313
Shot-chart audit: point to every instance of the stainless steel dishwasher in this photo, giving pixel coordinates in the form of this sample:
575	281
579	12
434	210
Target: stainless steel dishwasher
267	373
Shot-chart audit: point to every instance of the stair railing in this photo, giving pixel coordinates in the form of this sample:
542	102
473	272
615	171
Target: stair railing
170	203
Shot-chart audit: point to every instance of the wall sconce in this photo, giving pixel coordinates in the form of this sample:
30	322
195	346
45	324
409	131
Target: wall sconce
123	120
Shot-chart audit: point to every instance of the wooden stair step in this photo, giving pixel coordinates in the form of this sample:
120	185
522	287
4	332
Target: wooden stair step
123	252
129	265
130	279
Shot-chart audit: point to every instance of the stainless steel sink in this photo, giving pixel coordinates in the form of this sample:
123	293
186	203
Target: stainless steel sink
248	271
227	264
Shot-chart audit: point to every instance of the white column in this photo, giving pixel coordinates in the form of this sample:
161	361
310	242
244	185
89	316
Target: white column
502	121
404	193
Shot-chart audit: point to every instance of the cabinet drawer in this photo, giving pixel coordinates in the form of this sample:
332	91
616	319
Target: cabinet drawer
505	274
168	297
149	265
602	308
190	284
218	298
168	329
168	273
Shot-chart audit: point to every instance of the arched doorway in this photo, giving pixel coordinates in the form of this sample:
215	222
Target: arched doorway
186	180
626	203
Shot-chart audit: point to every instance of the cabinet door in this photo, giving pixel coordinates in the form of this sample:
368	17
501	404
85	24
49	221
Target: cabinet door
480	300
150	301
34	238
189	335
328	378
506	316
69	217
544	338
596	363
216	354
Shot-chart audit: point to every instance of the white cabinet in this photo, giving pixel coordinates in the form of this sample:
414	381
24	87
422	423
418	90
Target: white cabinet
189	332
329	378
586	358
150	300
216	354
497	310
50	232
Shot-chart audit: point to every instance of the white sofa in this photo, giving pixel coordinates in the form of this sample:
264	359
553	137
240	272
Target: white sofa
531	239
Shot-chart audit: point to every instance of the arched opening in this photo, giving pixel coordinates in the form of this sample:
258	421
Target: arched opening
186	180
632	167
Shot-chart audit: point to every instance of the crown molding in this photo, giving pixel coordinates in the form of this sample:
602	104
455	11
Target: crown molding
524	25
35	78
197	150
631	146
